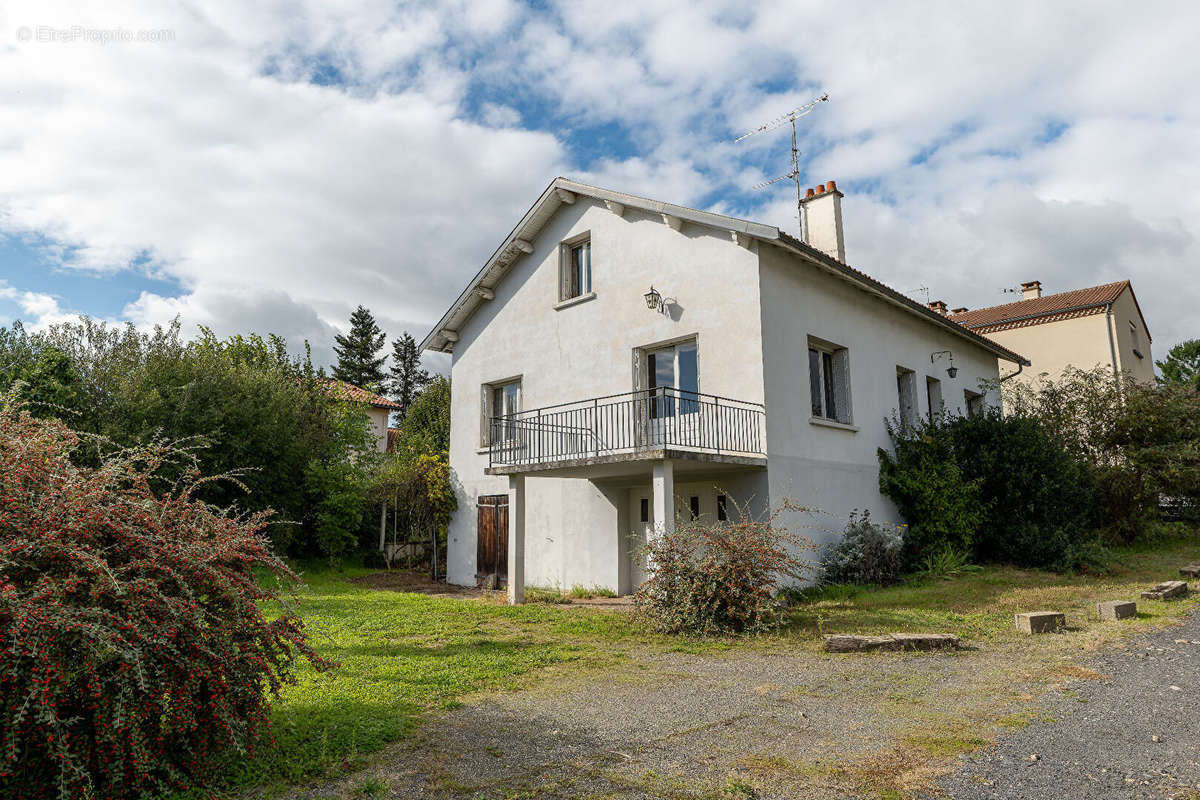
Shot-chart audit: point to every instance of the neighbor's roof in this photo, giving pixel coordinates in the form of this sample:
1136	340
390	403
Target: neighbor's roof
1047	308
353	394
562	191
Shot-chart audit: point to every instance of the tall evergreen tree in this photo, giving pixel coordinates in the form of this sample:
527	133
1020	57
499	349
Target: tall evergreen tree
359	361
408	379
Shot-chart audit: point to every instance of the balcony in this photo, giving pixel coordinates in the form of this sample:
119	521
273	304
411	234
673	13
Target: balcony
633	427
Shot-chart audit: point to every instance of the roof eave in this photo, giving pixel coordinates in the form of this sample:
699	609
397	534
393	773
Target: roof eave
867	283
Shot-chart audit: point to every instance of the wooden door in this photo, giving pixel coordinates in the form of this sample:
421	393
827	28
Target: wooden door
492	540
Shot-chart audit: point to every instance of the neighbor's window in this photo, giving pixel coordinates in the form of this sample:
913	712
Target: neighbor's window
501	402
933	395
722	508
829	381
645	510
906	395
974	403
575	274
694	506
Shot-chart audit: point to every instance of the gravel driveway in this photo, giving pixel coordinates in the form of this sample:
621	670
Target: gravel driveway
789	723
1135	733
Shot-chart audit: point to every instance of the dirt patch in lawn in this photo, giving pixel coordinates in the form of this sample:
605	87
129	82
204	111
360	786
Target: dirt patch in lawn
403	580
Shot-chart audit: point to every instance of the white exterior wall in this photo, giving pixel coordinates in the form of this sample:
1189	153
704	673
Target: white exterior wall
573	527
379	425
836	469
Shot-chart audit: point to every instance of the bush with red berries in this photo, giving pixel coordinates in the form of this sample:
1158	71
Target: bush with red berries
135	653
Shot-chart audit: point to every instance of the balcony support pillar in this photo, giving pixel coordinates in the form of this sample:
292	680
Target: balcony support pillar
663	490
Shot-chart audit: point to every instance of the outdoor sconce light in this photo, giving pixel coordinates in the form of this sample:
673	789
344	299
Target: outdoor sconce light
952	371
654	300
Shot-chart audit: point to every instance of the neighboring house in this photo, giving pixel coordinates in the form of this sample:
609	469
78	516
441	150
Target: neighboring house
618	361
378	409
1085	328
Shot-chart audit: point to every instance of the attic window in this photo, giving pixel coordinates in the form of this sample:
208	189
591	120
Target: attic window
575	268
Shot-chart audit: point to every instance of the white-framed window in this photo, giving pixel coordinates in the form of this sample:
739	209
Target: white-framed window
933	398
575	267
500	403
829	381
906	395
974	401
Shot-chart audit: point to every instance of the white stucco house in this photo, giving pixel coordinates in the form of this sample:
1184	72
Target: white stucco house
618	361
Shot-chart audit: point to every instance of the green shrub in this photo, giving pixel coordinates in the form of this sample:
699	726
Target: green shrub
713	578
866	553
137	653
1038	497
990	488
943	508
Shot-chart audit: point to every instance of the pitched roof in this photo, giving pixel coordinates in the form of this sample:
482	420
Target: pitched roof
562	191
353	394
1047	308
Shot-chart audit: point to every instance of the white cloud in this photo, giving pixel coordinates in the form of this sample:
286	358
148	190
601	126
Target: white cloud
38	309
979	145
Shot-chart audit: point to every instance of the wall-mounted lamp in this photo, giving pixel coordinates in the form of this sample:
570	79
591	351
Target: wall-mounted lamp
654	301
952	371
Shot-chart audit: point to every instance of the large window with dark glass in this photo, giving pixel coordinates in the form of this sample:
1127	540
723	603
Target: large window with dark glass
829	382
673	380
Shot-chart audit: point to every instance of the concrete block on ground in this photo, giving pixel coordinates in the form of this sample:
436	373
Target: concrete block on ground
1116	609
853	643
1190	571
1167	590
1041	621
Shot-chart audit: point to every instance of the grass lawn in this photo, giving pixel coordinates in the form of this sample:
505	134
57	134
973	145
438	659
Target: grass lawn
403	654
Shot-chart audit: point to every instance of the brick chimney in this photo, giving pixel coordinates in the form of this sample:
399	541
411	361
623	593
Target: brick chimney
939	306
822	208
1031	290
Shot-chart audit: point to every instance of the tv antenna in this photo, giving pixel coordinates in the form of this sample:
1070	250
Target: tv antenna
785	119
920	290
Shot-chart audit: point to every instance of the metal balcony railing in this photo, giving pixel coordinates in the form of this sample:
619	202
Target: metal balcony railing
628	423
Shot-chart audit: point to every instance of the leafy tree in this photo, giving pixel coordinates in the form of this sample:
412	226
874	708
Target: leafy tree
1182	364
426	426
408	378
261	414
41	376
359	361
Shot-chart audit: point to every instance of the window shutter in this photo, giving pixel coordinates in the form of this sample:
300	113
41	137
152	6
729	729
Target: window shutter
564	272
841	376
485	415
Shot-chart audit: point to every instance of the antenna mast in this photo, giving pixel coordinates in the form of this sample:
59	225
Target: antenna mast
794	175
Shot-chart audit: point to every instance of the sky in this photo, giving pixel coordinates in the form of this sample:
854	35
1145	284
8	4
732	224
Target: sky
268	166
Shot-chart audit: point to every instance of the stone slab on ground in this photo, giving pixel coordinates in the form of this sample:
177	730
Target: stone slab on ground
1190	571
853	643
1167	590
1041	621
1116	609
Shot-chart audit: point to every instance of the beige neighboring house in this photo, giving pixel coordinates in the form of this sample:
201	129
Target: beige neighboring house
1084	328
378	409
